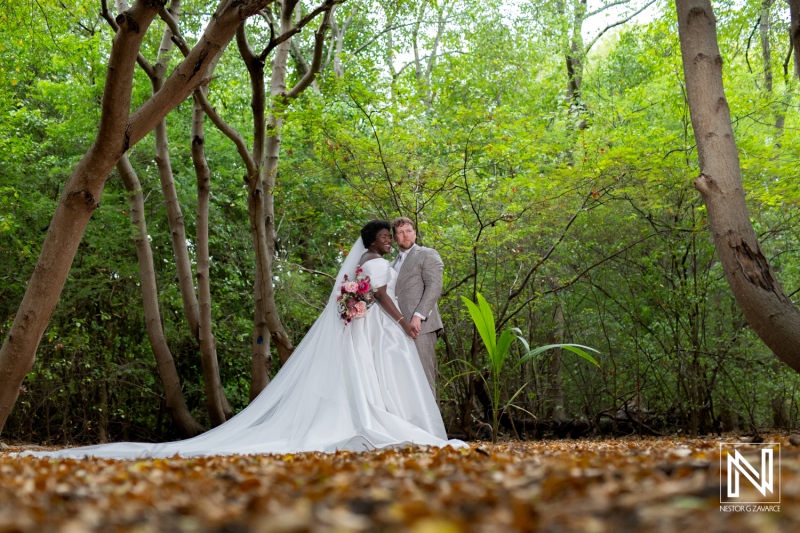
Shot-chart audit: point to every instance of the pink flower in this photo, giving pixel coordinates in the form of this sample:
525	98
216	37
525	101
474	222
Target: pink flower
351	287
361	309
363	286
350	303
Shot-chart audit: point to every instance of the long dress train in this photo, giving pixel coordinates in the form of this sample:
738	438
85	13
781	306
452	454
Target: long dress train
359	386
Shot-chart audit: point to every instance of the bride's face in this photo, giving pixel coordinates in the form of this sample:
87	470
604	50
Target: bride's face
383	242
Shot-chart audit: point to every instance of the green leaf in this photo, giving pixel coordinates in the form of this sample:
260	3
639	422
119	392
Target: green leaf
480	324
575	348
488	317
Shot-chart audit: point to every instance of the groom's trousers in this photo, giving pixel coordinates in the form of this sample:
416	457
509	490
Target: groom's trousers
426	346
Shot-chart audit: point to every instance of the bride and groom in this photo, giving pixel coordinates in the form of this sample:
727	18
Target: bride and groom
361	385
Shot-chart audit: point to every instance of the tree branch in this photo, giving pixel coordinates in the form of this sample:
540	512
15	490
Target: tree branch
140	59
614	25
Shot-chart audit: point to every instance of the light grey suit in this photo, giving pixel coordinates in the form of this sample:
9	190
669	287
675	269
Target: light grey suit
419	285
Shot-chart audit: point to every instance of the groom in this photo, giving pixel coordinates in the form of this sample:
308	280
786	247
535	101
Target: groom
419	285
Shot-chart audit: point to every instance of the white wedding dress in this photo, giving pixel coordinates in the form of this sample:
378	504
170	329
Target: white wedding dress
354	387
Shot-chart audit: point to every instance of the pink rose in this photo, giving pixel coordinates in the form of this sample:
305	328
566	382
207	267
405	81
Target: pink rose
361	309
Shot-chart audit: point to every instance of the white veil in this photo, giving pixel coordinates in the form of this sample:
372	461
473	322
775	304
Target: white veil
349	268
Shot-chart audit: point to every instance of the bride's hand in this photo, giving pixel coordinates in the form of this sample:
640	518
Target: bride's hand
408	328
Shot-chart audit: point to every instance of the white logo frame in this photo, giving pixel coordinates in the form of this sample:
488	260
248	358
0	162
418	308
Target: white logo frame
733	466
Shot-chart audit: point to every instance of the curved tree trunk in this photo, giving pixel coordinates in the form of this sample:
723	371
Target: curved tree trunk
766	307
78	201
266	152
176	405
117	132
215	397
216	403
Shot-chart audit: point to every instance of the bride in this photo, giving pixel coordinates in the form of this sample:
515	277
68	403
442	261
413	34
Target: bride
347	386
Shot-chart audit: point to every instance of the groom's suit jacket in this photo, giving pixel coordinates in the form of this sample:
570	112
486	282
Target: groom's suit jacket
419	285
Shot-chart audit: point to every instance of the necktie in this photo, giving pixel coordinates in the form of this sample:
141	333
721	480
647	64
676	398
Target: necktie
398	262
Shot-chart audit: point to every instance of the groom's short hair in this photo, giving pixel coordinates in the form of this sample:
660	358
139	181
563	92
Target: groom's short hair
402	221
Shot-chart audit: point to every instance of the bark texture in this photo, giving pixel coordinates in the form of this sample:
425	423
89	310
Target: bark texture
764	304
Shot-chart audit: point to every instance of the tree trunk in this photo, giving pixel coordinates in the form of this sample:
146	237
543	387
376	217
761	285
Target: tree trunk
766	56
768	310
177	229
766	52
117	132
262	358
173	393
266	152
794	33
555	391
575	55
218	408
78	201
215	396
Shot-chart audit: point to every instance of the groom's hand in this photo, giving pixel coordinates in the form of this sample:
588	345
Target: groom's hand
416	324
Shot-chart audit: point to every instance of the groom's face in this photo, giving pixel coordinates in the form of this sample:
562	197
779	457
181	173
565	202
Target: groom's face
405	236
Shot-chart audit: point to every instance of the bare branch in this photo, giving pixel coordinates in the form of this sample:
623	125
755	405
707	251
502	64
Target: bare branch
324	6
614	25
603	8
227	130
316	62
172	24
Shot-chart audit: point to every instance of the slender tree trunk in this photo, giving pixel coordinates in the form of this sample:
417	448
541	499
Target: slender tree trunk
555	392
266	152
768	310
215	397
794	32
766	56
177	229
766	52
117	132
173	393
262	358
575	56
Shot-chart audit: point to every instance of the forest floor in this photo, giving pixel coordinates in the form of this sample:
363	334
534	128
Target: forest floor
589	485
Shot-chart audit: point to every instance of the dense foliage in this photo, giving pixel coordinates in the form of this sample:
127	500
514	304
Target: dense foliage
574	214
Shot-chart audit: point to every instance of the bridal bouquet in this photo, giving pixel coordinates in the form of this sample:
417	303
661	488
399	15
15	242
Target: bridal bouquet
355	297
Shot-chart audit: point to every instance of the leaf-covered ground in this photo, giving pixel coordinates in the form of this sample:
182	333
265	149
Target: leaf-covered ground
565	485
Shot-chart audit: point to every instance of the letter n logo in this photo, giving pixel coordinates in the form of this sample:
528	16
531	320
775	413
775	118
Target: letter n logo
737	467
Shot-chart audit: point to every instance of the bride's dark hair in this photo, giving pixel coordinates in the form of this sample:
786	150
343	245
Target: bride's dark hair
371	229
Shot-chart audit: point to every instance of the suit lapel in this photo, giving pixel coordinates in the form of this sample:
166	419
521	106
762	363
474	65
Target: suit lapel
409	259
